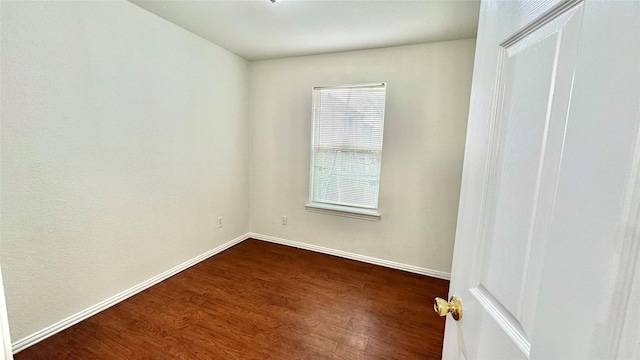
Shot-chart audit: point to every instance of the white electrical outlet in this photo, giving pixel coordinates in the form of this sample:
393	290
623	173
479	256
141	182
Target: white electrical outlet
219	221
283	221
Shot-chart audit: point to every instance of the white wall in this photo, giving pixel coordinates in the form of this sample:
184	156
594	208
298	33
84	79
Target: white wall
5	339
428	89
123	138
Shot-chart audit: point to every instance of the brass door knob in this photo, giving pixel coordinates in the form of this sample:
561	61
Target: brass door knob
453	306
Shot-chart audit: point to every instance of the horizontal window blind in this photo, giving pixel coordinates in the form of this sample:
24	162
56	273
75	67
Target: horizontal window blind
348	124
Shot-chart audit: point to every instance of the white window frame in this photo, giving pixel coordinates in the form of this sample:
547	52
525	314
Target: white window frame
364	213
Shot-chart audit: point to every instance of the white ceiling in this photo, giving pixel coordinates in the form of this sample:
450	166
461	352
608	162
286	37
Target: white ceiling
258	29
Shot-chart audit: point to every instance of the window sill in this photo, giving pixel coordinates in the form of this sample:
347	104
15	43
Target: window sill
364	214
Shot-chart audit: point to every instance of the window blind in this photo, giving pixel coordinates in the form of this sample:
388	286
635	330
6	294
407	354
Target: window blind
348	125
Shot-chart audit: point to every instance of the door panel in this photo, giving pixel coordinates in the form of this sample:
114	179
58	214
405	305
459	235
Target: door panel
545	173
528	139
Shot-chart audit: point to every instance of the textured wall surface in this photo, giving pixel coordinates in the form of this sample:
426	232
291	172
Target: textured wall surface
428	89
123	139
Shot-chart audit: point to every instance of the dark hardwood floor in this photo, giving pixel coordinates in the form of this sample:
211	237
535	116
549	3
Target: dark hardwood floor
258	300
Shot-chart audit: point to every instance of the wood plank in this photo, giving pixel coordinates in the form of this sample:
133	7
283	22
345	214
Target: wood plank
259	300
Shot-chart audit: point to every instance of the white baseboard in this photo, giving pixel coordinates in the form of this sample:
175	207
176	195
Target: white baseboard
86	313
352	256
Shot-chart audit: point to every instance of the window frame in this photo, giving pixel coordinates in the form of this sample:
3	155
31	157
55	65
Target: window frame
358	212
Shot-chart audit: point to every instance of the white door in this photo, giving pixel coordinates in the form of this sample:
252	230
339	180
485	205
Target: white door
548	233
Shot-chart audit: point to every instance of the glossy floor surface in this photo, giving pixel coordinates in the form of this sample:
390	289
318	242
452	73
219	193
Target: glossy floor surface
259	300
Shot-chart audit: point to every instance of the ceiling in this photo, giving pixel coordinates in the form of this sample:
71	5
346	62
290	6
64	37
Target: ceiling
259	29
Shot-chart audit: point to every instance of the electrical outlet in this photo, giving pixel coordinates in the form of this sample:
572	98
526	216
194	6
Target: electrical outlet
219	221
283	221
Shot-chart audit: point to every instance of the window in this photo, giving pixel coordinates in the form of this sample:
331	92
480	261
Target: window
346	149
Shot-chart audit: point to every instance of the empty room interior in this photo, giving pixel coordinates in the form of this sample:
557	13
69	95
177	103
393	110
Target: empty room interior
284	179
145	138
